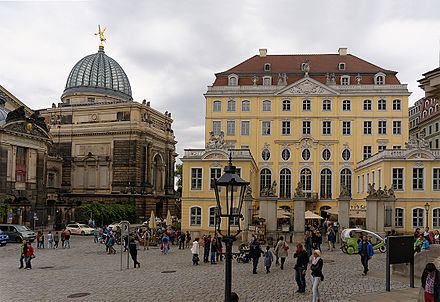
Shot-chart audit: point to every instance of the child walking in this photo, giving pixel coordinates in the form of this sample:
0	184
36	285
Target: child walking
268	259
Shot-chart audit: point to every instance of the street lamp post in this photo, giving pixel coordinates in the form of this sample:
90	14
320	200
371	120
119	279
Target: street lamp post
229	206
427	205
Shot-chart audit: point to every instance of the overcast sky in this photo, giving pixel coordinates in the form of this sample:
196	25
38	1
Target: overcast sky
170	50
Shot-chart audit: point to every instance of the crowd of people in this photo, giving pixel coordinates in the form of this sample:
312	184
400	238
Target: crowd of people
423	239
53	240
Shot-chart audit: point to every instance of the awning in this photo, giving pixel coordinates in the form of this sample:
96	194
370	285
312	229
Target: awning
281	213
311	215
354	213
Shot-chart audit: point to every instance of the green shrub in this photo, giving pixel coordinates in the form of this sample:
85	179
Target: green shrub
107	212
4	210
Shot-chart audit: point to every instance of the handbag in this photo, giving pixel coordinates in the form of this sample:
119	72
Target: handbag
285	247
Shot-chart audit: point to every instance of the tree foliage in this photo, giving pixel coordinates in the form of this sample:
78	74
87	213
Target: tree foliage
107	212
4	210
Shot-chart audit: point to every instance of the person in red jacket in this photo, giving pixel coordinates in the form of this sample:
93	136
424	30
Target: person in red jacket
29	255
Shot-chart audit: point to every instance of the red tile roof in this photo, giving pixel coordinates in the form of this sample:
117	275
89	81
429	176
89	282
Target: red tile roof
320	64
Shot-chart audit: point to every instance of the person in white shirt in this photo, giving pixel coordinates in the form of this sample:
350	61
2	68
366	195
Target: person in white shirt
195	251
50	240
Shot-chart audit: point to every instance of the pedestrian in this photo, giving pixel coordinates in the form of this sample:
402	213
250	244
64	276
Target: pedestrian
431	283
182	241
188	239
68	239
41	241
331	237
302	260
49	240
318	240
133	252
366	251
277	262
255	254
145	240
416	234
282	250
308	243
418	244
23	251
165	244
56	239
29	255
63	238
206	246
110	243
38	239
213	250
317	276
219	248
125	243
425	245
95	235
436	237
268	259
195	252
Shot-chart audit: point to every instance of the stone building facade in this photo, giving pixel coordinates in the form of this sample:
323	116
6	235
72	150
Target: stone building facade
114	150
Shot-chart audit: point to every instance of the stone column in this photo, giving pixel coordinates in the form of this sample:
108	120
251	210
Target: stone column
344	211
299	206
372	212
268	211
247	206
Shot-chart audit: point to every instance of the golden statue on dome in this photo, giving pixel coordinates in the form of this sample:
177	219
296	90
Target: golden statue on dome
101	35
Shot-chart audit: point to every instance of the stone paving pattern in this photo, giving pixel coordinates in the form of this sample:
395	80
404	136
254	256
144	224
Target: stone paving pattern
85	268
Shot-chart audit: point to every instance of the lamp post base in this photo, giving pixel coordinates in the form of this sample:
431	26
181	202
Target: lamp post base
228	240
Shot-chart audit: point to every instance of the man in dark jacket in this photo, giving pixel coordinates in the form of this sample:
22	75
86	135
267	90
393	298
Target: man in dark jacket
431	283
219	248
366	251
302	259
133	252
207	247
255	254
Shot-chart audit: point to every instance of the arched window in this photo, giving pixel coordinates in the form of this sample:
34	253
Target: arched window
267	106
245	106
346	178
286	105
285	183
306	179
382	105
306	105
233	80
195	216
346	105
326	105
265	179
418	218
379	80
231	105
430	110
217	106
267	67
326	184
368	105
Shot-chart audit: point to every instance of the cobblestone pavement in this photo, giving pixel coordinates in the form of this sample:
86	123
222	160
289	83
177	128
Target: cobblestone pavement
85	268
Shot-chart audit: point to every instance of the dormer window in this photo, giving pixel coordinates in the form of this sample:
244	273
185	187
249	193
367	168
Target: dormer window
233	80
267	67
379	78
267	81
341	66
345	80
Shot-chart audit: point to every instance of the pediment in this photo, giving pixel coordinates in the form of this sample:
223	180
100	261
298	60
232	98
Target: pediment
420	155
307	86
27	127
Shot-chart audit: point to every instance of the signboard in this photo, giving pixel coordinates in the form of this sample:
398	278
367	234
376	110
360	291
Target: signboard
10	216
125	227
35	216
400	249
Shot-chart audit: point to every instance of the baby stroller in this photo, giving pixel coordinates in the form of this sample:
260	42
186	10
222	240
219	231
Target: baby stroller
243	255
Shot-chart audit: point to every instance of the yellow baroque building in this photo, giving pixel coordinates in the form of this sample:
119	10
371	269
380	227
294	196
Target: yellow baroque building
309	118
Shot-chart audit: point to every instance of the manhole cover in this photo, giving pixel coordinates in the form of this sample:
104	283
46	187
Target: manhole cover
46	267
78	295
167	272
328	260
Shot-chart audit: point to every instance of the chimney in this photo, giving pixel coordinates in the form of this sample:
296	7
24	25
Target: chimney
263	52
342	51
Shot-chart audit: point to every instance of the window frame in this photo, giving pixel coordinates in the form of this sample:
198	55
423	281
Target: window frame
228	107
211	183
231	122
370	132
326	102
438	179
287	183
345	103
438	218
349	128
213	128
403	179
260	178
269	123
267	78
306	105
191	179
363	151
379	127
396	217
214	107
287	103
380	103
289	128
309	127
423	218
370	105
330	154
305	183
191	215
326	128
241	127
265	107
345	80
395	102
342	154
423	179
400	127
242	105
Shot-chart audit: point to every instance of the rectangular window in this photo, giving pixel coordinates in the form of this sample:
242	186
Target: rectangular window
436	179
123	116
346	127
381	148
399	218
217	106
367	152
417	181
397	127
285	127
358	184
346	105
368	127
286	105
245	128
214	174
363	183
213	216
306	127
265	127
395	147
326	127
396	105
50	180
245	106
345	81
367	106
397	179
196	216
196	179
230	128
267	81
326	105
382	127
216	127
379	178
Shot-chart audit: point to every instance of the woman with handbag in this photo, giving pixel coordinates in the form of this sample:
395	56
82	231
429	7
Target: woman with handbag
195	252
281	250
317	276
